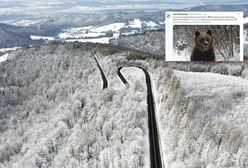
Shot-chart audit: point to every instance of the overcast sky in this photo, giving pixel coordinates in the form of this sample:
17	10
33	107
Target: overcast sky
50	7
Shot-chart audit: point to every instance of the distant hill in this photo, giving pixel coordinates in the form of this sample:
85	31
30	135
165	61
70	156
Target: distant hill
151	41
12	36
224	7
68	21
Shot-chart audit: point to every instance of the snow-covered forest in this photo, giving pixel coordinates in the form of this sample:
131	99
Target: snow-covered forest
54	113
203	120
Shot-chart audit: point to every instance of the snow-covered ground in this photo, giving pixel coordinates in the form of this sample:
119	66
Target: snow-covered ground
115	27
202	119
54	112
181	55
137	23
33	37
4	57
102	34
5	52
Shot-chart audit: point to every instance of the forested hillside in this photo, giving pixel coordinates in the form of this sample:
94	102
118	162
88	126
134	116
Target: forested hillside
54	112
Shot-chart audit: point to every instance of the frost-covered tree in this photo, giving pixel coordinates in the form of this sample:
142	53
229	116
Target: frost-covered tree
54	113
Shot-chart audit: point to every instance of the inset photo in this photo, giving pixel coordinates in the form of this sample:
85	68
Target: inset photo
206	42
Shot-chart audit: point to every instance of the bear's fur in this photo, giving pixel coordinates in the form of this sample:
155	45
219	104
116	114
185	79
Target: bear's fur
203	49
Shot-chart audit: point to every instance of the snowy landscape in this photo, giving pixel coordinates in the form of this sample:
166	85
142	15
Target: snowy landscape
56	111
81	125
103	34
59	116
202	125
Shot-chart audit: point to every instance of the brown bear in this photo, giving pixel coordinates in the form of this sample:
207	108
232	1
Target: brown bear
203	49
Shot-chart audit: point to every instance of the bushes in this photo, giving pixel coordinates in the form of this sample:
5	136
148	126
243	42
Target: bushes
134	55
9	150
79	45
52	92
106	49
60	91
54	43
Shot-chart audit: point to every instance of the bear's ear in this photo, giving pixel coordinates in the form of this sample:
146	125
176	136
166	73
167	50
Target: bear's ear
197	33
209	32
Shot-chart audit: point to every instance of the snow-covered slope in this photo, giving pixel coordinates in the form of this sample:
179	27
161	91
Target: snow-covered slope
110	31
33	37
150	42
202	119
111	27
55	114
4	53
8	49
4	57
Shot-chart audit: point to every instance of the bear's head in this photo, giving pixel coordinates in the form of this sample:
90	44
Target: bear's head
203	40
